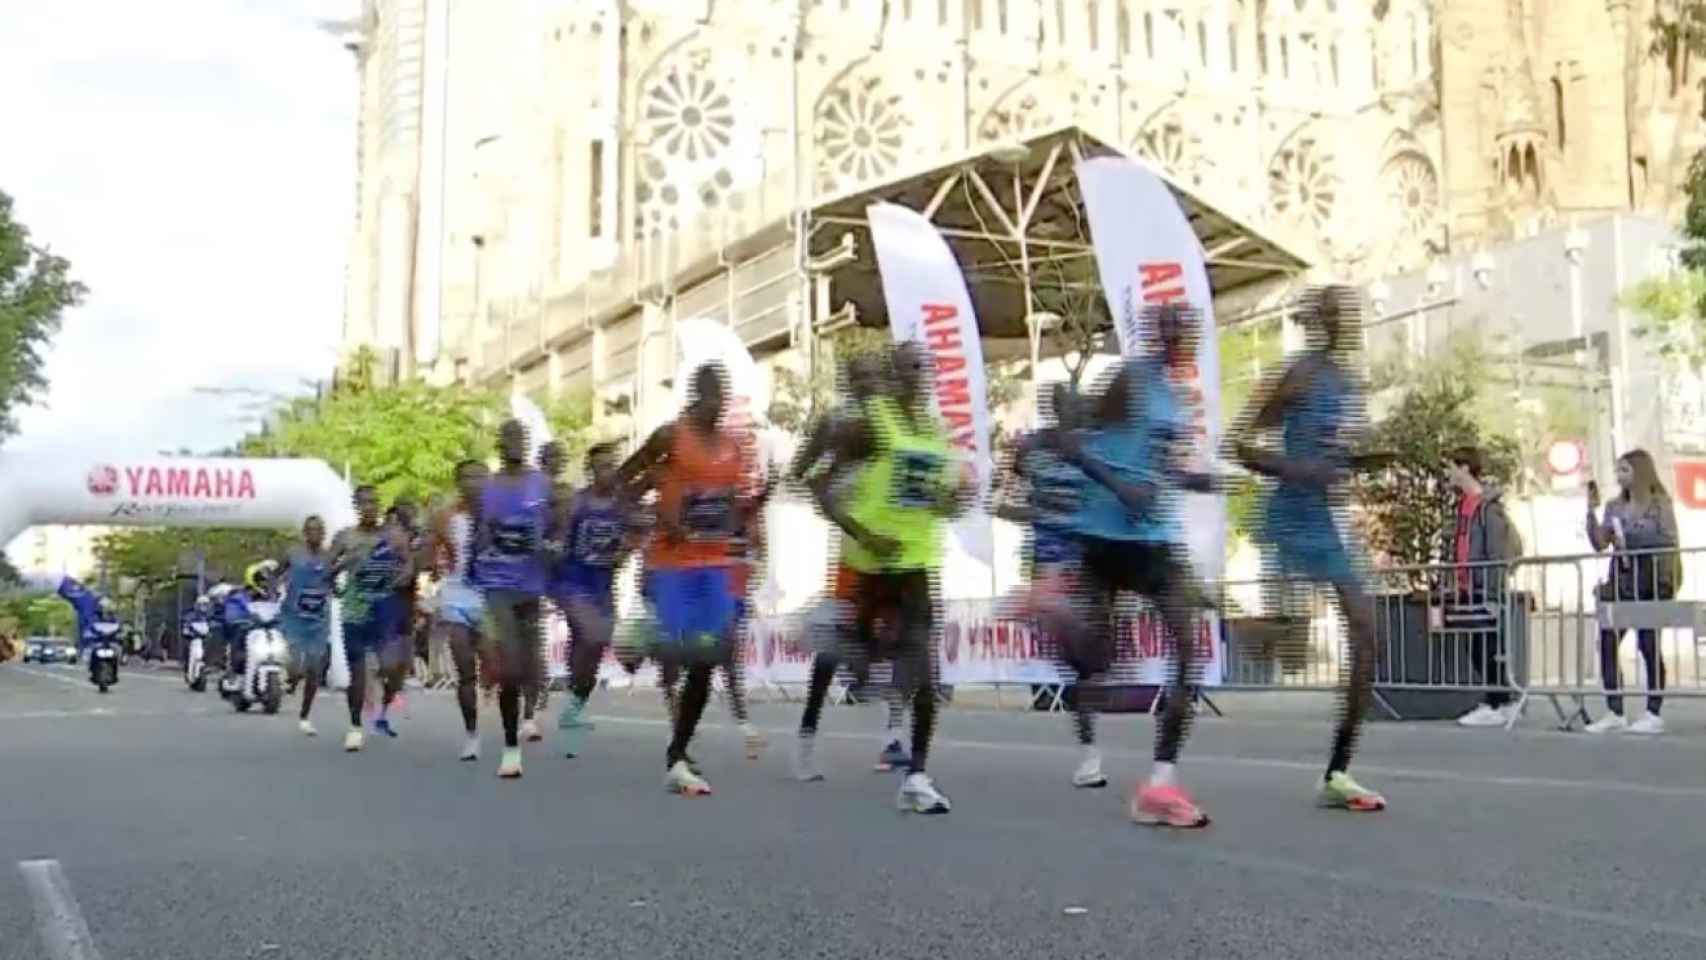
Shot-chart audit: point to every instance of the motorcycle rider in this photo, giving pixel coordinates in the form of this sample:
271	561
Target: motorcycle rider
257	585
196	624
86	604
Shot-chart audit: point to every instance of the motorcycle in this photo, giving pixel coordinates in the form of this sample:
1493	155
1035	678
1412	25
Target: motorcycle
262	680
195	654
104	654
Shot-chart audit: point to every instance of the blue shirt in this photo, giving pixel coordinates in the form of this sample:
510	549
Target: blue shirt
307	590
1137	451
514	515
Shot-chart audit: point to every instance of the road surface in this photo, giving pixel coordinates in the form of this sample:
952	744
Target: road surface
157	823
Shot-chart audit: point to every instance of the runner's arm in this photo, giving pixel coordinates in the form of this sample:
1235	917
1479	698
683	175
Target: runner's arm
1266	411
638	473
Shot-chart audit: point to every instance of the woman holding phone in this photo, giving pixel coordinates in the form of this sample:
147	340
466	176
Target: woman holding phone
1639	527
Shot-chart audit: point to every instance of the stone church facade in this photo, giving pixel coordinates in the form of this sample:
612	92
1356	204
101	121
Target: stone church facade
536	179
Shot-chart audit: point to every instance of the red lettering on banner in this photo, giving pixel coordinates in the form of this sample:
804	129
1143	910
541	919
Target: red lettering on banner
177	482
222	483
183	482
245	485
202	488
156	486
1691	483
1156	274
133	477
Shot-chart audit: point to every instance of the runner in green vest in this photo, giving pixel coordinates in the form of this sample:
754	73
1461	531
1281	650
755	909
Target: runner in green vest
905	482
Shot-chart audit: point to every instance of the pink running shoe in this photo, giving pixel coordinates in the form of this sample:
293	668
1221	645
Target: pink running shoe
1165	806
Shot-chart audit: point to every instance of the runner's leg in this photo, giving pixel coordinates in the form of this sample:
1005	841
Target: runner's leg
462	642
1338	789
1161	801
913	602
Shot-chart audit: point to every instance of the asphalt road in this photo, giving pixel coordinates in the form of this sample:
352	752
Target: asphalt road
169	827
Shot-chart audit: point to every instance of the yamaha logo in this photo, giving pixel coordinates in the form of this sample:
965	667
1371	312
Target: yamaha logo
103	480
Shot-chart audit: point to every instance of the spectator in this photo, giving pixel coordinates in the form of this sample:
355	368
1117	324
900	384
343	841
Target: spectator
1640	529
1480	533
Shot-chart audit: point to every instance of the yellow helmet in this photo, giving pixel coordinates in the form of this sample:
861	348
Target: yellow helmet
259	576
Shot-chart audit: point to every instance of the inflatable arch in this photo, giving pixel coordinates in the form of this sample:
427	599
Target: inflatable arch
37	489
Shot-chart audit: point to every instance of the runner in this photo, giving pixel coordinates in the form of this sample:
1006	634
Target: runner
892	517
461	609
397	654
306	616
1317	406
597	537
863	376
1055	490
749	551
553	462
512	520
690	577
376	557
1130	534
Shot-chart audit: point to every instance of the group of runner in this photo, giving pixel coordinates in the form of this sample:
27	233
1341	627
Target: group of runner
1102	485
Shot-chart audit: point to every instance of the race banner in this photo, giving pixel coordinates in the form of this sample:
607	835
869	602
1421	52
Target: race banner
1147	253
928	303
981	644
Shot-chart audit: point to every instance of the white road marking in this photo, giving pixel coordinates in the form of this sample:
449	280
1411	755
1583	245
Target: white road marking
1226	760
58	918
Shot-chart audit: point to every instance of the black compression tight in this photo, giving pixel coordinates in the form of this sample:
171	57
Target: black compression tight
689	709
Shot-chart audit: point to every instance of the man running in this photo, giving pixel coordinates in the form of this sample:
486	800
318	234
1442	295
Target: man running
596	537
461	608
1129	531
1318	408
864	375
512	519
699	474
377	558
306	612
398	653
904	486
1055	491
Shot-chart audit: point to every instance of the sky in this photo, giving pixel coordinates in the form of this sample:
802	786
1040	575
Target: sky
195	161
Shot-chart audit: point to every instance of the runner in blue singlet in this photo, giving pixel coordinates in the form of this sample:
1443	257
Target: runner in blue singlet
510	543
1317	409
376	559
306	612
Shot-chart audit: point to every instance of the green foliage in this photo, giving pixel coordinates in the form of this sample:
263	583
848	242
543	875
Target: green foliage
35	290
36	613
1405	506
405	440
1670	312
160	554
798	397
1249	354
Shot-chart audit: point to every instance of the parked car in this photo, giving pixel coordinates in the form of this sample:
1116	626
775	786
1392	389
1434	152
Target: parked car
50	650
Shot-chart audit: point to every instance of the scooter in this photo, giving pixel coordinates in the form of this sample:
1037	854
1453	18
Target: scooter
104	653
195	655
262	681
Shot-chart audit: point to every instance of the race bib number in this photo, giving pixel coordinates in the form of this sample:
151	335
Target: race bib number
708	515
917	480
311	603
598	542
512	539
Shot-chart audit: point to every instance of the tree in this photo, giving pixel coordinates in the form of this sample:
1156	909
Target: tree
159	555
1250	354
798	397
1404	507
36	613
35	290
405	440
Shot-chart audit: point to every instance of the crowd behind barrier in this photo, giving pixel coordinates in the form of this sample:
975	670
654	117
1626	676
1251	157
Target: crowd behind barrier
1540	628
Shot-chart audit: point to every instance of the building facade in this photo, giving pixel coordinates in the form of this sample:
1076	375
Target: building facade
545	187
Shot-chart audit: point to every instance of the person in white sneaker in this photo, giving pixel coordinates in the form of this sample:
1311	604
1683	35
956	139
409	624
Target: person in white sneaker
1482	542
1639	526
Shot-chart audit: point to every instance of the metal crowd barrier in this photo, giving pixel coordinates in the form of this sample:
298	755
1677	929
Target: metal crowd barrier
1543	627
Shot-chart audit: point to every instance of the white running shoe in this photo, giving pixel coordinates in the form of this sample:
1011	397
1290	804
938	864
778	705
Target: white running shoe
307	728
471	749
1483	716
918	794
352	741
805	760
681	779
1089	774
530	732
1649	724
509	767
1610	723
